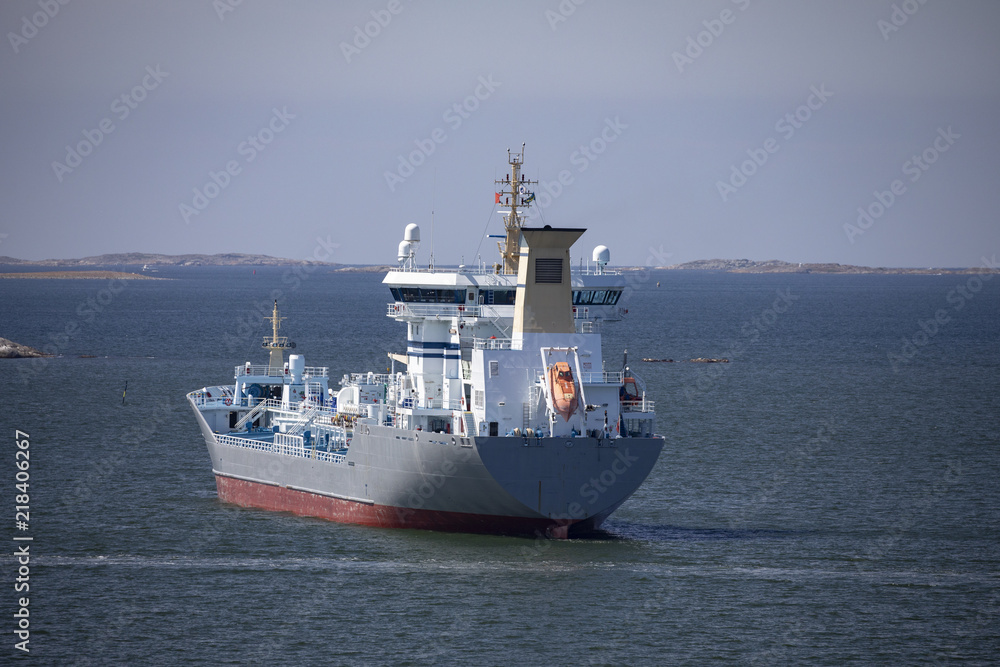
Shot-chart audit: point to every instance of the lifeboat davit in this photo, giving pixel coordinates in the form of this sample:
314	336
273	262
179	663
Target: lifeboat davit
562	387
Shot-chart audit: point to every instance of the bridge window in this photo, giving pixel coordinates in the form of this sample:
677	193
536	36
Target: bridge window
596	297
497	297
427	295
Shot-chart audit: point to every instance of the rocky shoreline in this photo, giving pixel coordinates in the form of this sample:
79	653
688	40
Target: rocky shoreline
78	275
11	350
779	266
155	259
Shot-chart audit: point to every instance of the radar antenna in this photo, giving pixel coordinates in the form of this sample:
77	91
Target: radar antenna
515	193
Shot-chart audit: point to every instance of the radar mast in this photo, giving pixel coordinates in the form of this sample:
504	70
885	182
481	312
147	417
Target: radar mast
515	194
277	344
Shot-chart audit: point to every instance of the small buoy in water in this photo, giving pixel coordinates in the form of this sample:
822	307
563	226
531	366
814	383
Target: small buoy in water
657	283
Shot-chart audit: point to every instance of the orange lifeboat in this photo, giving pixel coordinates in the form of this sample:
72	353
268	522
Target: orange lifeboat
562	387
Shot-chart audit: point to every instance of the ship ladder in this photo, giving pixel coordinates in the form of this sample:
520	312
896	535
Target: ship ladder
302	420
258	409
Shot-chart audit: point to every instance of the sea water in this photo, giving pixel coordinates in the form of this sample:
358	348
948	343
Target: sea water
829	495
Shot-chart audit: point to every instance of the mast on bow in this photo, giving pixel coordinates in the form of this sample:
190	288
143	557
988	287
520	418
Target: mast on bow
277	344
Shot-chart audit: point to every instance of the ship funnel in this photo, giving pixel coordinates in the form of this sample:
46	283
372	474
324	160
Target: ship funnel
544	300
296	367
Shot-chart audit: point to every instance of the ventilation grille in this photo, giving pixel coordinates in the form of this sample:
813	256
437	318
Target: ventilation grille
548	270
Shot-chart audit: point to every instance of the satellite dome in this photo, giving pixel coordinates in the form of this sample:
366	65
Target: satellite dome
404	251
412	232
602	255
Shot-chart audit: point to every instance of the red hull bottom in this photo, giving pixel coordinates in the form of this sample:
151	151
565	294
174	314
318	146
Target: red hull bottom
280	499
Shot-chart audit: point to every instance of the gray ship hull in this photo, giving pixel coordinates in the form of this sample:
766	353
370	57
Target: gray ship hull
414	479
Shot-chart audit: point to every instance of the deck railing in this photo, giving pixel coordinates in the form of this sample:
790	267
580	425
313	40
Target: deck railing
495	344
398	309
430	404
266	370
641	405
287	445
598	377
201	400
485	269
369	378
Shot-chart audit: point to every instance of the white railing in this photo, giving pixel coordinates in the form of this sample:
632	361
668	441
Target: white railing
486	269
410	403
265	369
214	401
478	270
279	447
595	271
293	445
330	457
599	377
246	443
368	378
496	344
201	400
398	309
642	405
258	369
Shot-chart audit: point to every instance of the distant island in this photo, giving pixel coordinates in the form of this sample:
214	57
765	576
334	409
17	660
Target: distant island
241	259
778	266
152	259
79	275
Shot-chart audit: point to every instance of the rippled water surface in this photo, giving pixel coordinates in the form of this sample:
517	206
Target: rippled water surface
816	501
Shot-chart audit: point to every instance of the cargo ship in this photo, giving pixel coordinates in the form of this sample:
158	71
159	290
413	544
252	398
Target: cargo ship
501	416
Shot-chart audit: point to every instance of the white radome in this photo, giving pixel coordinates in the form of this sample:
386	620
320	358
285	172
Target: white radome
602	255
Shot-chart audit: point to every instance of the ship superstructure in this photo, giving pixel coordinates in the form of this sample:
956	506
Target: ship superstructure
500	415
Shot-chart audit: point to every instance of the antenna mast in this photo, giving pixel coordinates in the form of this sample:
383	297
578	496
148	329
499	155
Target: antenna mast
514	193
277	345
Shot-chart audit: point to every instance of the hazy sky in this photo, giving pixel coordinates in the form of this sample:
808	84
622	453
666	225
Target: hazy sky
681	130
